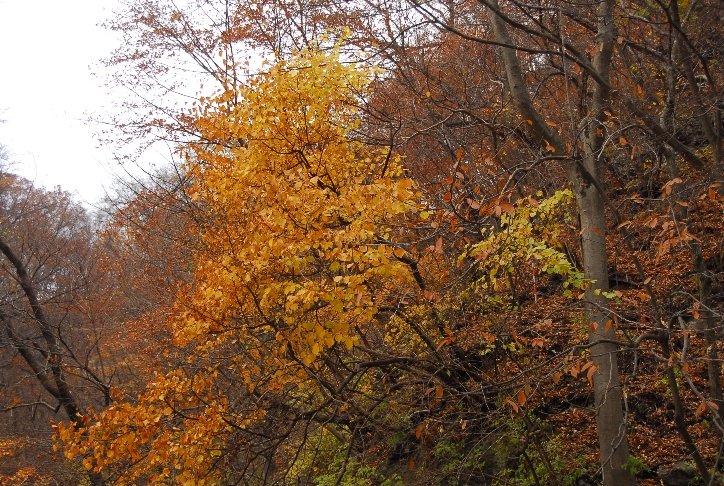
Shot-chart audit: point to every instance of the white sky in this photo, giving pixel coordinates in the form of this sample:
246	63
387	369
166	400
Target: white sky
47	51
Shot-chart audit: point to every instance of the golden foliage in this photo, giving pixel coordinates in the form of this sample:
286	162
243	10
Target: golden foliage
297	213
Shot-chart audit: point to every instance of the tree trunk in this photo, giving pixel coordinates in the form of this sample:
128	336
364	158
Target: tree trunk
613	441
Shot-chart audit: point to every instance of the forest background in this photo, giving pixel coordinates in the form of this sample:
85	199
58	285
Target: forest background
457	242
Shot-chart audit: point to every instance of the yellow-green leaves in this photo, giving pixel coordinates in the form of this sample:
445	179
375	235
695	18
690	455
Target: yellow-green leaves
530	233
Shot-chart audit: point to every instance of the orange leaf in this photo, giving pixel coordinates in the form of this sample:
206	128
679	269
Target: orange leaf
507	207
521	398
701	410
459	154
591	371
643	296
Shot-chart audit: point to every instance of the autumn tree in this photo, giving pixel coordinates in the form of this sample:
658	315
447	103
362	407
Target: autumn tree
54	323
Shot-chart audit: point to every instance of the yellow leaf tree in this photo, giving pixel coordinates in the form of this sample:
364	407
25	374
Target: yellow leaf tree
296	220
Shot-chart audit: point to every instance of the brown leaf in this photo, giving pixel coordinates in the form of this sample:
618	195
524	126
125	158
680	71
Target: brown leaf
507	207
576	369
521	398
591	371
701	410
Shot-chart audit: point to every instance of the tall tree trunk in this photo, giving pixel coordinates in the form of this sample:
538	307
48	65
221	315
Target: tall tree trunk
584	177
610	419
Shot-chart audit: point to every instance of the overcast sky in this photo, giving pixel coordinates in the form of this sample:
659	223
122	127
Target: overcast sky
48	50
